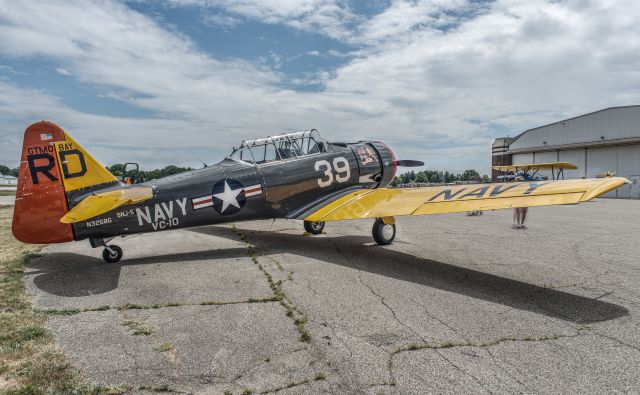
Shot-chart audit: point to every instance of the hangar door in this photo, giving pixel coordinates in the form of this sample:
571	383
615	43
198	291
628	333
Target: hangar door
629	167
600	160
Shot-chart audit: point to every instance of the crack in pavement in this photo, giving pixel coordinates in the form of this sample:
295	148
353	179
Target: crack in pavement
66	312
496	361
429	314
458	368
319	354
615	340
377	295
385	304
292	310
428	346
335	335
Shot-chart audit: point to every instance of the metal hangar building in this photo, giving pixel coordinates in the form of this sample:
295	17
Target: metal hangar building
602	141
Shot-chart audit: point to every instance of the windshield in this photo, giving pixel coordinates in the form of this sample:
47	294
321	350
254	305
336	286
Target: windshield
282	147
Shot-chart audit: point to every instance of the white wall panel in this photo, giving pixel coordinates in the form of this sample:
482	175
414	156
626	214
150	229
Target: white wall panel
545	157
577	157
520	159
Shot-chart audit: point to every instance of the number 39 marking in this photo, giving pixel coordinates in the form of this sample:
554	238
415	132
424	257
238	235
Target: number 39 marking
341	166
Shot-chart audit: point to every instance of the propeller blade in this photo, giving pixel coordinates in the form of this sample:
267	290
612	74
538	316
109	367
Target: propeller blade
409	163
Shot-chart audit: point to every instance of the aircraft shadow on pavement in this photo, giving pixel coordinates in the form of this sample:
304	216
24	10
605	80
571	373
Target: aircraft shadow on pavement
357	252
73	275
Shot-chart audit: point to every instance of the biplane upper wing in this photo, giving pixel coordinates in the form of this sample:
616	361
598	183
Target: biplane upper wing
100	203
388	202
537	166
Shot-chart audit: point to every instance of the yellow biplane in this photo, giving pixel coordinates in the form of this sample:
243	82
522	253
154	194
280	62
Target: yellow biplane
531	171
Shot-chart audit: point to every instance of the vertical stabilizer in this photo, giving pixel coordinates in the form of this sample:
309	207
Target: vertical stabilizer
53	169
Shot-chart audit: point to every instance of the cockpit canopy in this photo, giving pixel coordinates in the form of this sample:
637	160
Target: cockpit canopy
284	146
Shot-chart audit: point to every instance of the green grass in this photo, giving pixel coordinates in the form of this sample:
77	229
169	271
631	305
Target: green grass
159	388
284	387
7	193
166	346
138	328
30	363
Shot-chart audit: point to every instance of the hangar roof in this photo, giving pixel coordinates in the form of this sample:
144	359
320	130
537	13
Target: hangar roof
615	125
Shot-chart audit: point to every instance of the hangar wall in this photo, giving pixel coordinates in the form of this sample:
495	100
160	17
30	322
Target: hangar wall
602	141
624	160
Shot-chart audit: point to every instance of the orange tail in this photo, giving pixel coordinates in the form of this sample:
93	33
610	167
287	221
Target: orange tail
40	197
53	168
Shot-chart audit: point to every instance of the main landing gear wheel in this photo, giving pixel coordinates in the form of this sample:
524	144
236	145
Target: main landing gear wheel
383	233
314	227
112	254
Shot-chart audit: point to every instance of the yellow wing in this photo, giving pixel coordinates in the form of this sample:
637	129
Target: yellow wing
537	166
388	202
100	203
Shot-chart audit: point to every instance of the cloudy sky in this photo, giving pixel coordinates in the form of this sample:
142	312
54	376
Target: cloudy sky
167	82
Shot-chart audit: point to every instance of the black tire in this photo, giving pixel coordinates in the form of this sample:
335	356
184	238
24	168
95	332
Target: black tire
314	227
383	234
108	257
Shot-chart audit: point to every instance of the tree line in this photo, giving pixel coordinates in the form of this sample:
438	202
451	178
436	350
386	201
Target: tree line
148	175
435	176
6	171
410	177
117	169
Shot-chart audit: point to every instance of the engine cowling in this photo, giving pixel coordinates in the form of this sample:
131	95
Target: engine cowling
388	163
376	162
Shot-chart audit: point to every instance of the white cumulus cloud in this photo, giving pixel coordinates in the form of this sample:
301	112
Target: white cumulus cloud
438	80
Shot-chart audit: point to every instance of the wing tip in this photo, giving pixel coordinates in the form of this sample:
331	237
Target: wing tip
608	184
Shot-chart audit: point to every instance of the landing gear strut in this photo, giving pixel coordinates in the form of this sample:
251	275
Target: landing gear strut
112	253
384	230
314	227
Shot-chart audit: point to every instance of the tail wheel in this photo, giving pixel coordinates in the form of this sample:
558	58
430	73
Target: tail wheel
314	227
383	233
112	254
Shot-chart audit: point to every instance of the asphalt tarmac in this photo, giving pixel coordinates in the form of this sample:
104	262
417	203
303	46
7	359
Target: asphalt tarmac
456	305
7	200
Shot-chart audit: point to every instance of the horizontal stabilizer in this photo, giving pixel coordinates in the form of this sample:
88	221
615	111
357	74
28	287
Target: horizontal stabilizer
103	202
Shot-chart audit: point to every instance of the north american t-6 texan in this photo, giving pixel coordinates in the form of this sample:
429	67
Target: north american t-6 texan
65	194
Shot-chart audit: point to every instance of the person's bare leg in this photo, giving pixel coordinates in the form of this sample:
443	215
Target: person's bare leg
523	212
517	213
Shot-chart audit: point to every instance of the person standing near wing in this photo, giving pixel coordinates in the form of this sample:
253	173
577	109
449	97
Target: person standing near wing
519	213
